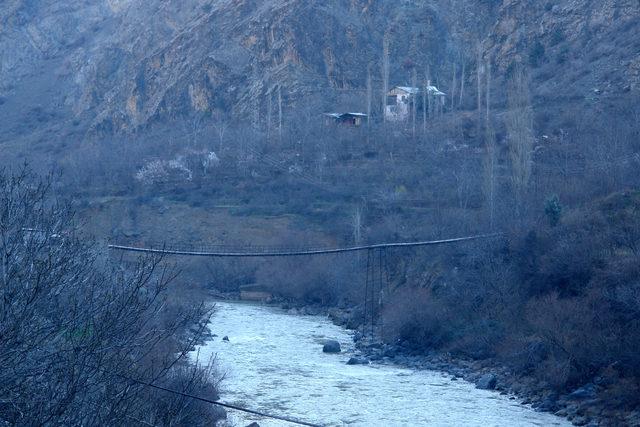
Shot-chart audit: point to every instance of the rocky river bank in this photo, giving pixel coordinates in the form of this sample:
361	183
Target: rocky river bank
286	363
583	406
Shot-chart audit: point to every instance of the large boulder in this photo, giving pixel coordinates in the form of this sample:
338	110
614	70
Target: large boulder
357	361
589	391
487	382
331	346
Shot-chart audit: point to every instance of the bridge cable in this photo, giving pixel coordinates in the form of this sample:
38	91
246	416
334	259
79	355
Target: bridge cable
254	254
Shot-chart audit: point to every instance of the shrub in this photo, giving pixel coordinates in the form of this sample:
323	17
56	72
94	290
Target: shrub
413	315
536	54
553	210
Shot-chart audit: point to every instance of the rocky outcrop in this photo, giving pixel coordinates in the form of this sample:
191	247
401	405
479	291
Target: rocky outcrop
121	66
574	49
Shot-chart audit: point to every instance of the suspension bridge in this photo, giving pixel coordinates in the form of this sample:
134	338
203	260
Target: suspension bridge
377	281
252	252
377	277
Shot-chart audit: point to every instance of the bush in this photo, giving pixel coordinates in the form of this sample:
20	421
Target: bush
537	54
553	210
413	315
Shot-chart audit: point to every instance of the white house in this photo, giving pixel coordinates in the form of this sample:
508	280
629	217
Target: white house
400	101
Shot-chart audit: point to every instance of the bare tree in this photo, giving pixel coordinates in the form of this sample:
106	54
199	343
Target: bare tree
74	326
488	91
414	103
429	99
462	81
369	98
479	67
425	95
221	126
357	223
269	114
519	124
490	173
385	73
453	86
280	112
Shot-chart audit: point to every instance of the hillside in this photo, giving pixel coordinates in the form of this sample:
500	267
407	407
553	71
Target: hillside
117	66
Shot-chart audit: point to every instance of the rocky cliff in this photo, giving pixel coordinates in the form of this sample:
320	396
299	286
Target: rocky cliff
119	65
574	49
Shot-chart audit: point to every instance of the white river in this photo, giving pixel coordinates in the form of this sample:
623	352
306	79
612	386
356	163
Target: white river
274	363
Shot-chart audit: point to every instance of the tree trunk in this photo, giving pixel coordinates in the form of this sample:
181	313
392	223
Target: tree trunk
269	115
490	165
453	87
385	75
462	80
414	104
280	112
369	98
424	109
488	94
479	78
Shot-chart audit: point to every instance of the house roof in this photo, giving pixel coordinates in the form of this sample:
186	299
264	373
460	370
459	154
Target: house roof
408	89
432	90
341	115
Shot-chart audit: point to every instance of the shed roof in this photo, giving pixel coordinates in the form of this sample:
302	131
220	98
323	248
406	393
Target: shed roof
431	90
408	89
341	115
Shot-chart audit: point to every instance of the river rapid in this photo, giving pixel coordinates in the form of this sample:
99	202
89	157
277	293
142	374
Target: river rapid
274	363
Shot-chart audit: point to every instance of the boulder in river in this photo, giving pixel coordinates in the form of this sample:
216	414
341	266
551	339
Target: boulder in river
225	338
331	346
357	361
487	382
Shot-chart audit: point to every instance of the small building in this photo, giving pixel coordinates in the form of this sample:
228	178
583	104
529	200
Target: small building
254	292
346	119
401	100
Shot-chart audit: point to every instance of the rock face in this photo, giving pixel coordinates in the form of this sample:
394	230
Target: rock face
592	47
331	346
118	66
113	66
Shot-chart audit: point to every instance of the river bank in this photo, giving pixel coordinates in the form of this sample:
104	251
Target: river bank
582	406
273	362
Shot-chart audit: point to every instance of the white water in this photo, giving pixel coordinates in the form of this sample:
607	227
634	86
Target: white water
274	363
